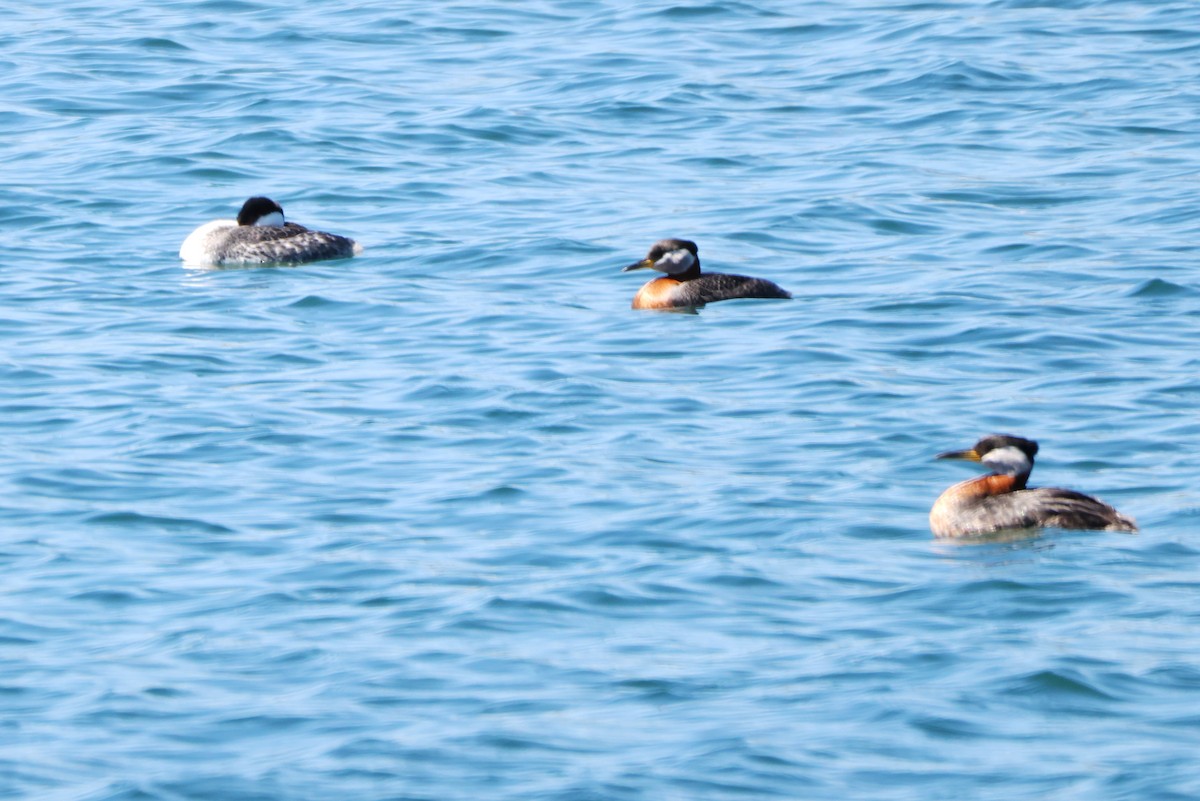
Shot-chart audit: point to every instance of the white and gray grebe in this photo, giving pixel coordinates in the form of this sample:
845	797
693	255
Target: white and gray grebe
260	235
1001	500
685	286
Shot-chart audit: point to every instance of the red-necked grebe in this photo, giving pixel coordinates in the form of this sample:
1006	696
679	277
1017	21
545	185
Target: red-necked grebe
260	236
1000	500
685	286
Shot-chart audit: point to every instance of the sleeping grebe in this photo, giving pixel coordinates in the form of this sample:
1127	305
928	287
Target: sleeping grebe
260	236
1000	500
685	286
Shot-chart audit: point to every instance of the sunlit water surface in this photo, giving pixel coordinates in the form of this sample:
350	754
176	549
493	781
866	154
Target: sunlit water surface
449	521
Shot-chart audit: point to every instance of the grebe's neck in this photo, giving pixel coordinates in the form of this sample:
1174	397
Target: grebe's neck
998	484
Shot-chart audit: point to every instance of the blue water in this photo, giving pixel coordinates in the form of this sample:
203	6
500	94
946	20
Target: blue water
450	521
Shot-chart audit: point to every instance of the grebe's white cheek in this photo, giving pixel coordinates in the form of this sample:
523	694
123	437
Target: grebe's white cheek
1008	459
274	219
677	261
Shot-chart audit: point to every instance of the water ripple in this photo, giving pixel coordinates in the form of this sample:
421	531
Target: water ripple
450	521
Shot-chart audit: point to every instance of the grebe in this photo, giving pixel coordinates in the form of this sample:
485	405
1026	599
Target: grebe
1000	500
260	236
684	285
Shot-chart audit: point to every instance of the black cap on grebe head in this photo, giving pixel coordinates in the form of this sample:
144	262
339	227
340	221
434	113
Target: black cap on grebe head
259	211
996	441
675	257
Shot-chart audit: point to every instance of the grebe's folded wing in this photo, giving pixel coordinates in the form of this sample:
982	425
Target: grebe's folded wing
1043	507
290	243
710	287
1064	508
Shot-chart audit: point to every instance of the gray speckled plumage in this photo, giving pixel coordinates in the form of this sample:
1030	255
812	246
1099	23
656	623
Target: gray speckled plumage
960	512
286	244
